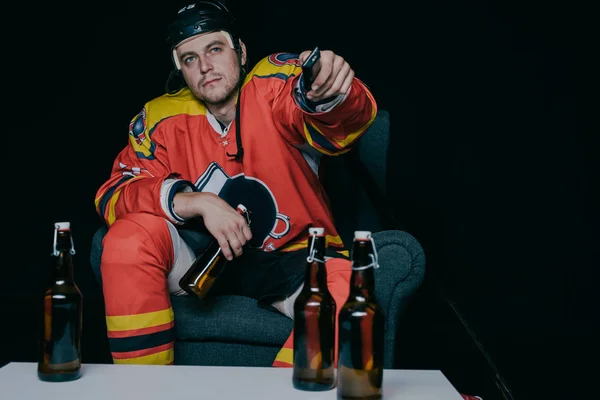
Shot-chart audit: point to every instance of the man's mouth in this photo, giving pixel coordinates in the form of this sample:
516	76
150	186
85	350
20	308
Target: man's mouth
209	81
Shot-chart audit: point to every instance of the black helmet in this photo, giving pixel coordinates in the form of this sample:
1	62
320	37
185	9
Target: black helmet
201	17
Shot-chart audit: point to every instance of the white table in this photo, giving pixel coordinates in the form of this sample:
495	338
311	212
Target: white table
19	381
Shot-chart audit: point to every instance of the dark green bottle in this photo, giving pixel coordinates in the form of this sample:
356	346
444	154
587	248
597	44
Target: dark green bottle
59	357
361	328
314	323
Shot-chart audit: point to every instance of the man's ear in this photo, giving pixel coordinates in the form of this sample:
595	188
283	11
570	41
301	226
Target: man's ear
244	55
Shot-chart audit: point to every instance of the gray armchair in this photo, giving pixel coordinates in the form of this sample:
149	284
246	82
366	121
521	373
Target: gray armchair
232	330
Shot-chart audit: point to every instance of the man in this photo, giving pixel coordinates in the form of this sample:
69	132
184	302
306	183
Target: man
229	137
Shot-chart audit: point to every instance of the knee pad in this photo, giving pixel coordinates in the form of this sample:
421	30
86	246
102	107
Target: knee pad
136	237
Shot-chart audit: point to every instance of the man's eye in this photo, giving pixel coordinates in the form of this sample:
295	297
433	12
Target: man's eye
188	60
215	49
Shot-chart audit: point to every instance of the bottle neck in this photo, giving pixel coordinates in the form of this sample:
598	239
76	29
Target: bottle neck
64	266
64	262
362	283
362	280
316	276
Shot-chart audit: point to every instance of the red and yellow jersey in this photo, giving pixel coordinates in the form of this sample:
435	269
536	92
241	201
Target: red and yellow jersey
176	144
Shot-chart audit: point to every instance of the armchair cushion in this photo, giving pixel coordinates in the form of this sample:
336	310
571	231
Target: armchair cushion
224	354
228	319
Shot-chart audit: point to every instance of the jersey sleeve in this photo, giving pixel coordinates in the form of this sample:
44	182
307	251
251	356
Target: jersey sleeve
140	179
331	127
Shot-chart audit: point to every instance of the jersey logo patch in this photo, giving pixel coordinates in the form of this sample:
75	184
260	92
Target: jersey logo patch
281	59
139	138
137	127
255	195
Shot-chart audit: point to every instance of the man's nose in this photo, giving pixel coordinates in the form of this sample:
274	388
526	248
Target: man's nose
205	65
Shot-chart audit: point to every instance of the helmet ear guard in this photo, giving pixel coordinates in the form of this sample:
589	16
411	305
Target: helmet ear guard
198	18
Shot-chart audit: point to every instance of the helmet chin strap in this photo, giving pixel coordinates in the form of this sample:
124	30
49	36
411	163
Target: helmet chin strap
174	72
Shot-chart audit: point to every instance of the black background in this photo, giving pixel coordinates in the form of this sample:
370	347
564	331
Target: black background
491	165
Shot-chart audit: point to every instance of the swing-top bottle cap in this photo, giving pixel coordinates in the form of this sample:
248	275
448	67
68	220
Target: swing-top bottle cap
362	235
316	231
62	225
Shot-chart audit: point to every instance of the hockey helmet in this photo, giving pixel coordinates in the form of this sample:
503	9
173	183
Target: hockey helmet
198	18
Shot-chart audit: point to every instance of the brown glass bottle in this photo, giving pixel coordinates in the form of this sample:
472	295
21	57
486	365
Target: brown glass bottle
205	270
314	323
59	357
361	329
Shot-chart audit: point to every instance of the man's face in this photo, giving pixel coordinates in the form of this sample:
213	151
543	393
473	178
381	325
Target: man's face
210	67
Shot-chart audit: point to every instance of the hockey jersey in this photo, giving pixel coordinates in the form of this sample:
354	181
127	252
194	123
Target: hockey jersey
175	144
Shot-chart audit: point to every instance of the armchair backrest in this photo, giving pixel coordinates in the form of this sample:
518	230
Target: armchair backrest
355	182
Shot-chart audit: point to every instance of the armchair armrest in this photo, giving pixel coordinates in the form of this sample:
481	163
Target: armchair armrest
401	272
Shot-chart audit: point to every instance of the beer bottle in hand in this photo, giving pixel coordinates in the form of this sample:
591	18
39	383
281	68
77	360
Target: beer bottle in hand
361	328
59	358
205	270
314	323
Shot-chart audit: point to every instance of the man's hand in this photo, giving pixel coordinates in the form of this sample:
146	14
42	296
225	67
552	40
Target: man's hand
224	223
333	76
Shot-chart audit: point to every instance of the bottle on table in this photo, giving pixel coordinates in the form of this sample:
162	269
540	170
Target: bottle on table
59	358
314	323
205	270
361	328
